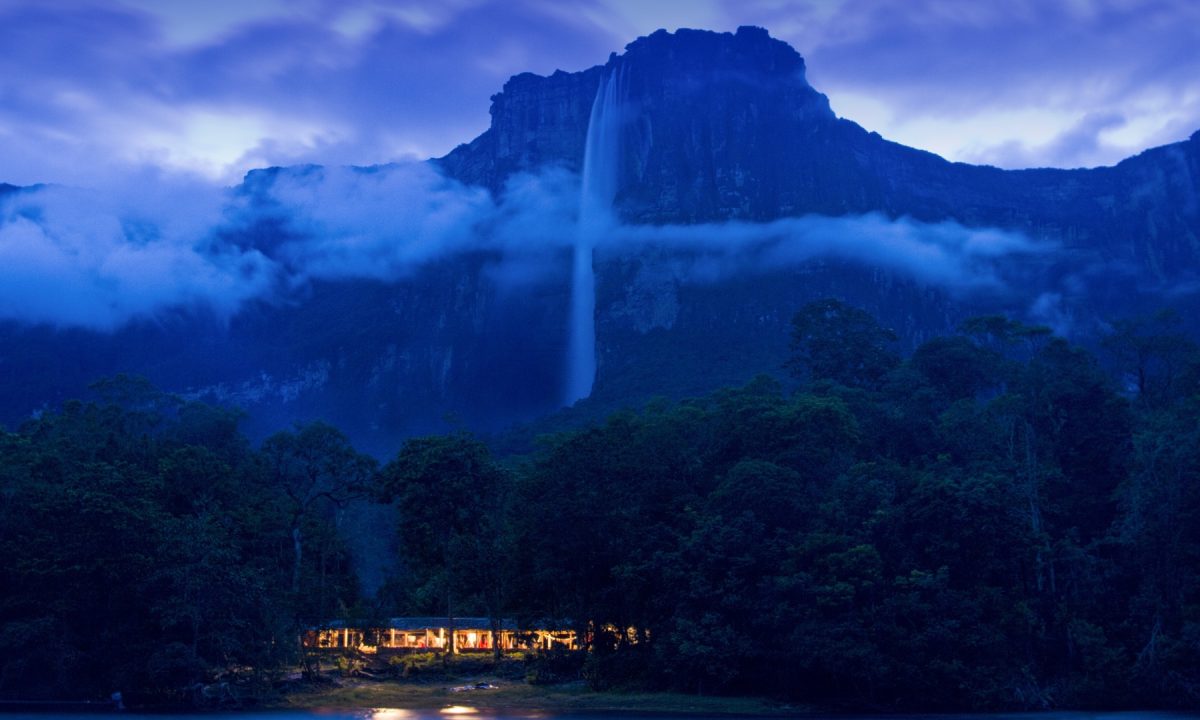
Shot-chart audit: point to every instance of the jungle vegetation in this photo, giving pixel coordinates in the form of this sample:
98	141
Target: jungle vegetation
999	520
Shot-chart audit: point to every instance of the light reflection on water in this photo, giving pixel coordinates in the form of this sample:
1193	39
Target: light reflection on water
391	714
467	712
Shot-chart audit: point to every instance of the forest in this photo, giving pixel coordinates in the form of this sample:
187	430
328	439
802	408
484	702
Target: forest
999	520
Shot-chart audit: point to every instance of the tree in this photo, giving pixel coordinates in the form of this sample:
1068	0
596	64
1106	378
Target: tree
452	503
314	467
958	368
1155	355
834	341
142	537
1009	338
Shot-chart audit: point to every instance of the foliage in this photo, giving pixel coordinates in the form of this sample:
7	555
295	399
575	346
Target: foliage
997	521
838	342
452	500
146	550
994	522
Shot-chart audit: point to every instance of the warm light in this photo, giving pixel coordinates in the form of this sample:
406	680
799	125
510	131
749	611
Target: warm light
391	714
459	710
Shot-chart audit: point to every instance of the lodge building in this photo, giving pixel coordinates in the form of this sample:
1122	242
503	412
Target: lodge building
417	634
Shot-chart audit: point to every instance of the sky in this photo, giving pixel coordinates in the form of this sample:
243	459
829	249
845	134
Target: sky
204	90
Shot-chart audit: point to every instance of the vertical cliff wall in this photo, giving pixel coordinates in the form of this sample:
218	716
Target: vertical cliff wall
717	128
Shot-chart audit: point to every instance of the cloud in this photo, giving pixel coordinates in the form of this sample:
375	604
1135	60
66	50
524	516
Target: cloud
355	82
154	246
1082	145
968	80
944	254
99	259
384	222
1050	309
376	223
218	90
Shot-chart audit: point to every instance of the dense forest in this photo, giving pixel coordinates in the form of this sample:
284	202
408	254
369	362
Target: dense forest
1000	520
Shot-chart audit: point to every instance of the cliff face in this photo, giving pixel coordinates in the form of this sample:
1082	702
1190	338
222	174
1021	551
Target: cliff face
726	127
536	121
716	128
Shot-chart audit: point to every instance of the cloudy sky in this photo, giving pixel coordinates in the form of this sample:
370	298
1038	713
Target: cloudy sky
207	89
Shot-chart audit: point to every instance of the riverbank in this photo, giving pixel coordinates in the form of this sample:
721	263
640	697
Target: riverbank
509	696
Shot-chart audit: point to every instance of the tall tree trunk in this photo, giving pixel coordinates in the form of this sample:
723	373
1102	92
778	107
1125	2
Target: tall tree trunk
297	556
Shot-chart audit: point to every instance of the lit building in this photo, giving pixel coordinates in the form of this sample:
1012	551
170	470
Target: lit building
433	633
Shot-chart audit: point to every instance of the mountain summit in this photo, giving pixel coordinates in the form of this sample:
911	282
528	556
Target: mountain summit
737	196
724	126
692	85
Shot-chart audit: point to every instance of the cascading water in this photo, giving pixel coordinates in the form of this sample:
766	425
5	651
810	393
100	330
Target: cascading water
599	188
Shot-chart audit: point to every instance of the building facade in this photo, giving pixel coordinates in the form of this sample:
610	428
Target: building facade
418	634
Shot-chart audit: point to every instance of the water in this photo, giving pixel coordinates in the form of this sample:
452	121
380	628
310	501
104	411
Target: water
600	163
465	712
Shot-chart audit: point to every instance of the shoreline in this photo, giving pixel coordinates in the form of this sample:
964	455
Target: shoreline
407	700
510	698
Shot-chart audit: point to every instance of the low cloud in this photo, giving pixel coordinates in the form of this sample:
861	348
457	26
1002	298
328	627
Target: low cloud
99	259
346	223
384	222
946	254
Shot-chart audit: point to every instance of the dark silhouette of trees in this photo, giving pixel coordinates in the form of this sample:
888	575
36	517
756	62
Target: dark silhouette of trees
452	499
838	342
141	536
993	522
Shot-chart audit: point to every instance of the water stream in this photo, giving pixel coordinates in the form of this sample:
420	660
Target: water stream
599	188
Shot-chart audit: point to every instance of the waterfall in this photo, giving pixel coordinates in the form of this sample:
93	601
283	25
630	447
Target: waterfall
599	188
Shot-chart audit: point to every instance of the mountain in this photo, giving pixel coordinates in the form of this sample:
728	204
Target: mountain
727	128
739	196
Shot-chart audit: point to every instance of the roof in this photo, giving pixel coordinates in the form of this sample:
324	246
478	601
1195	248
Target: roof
409	624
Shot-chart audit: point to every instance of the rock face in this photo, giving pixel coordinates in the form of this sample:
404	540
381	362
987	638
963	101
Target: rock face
719	128
725	127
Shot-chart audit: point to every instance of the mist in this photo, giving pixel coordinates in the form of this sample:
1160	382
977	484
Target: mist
97	259
138	250
944	254
385	222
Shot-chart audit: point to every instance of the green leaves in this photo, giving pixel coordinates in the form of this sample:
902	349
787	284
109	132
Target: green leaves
453	506
142	537
834	341
991	523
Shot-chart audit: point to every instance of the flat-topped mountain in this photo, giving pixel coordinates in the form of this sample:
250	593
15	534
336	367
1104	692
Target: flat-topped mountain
726	127
738	196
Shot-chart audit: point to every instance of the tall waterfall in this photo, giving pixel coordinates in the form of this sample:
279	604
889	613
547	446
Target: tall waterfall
600	161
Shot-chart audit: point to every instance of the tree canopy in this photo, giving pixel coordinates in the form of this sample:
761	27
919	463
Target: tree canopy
999	520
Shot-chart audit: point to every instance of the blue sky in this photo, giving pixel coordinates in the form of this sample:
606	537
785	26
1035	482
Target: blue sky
207	89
